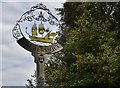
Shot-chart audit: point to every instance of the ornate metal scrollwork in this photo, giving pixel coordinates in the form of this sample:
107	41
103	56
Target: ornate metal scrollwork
17	32
30	16
41	81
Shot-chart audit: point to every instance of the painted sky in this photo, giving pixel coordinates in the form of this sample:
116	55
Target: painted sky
17	63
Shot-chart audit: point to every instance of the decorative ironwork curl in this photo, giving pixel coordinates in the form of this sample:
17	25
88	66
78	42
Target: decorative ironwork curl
17	33
29	16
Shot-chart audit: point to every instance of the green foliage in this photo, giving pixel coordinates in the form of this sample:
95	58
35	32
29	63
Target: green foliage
91	41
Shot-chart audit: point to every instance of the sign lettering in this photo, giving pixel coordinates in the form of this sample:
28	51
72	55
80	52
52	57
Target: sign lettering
39	49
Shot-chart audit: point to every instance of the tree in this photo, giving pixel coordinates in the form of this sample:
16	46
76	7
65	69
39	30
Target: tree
91	41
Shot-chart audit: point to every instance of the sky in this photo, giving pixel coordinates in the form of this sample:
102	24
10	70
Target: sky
17	63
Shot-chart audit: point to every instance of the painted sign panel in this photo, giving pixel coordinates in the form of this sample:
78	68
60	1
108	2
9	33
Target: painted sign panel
30	37
23	42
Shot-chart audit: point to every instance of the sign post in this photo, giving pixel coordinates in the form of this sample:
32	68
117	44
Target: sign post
40	69
38	40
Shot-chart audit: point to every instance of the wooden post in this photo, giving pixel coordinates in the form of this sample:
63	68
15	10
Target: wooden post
40	71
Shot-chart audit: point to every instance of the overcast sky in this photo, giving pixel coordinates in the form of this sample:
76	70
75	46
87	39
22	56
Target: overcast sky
17	63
